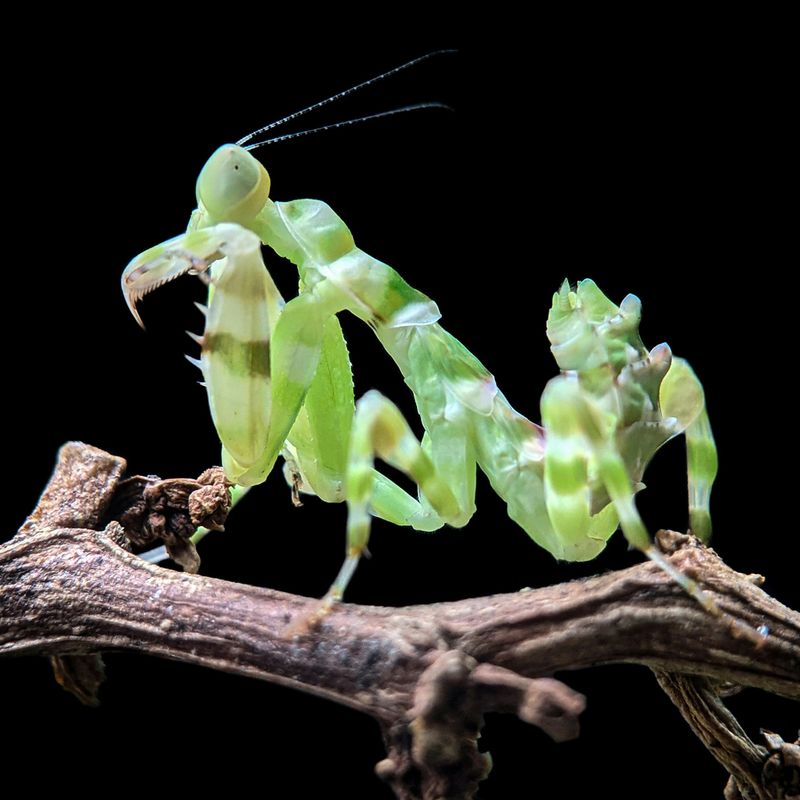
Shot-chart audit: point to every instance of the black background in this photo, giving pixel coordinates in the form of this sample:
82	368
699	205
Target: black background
654	164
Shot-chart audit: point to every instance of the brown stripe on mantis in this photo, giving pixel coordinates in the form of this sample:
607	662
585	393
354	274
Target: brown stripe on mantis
241	358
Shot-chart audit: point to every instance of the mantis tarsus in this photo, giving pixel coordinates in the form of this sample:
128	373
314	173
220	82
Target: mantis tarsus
279	383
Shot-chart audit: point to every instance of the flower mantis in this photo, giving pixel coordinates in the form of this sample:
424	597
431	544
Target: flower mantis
279	383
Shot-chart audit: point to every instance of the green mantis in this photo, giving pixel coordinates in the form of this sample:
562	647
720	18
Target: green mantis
279	384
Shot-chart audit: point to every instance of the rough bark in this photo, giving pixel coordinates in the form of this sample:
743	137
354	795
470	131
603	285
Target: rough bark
68	589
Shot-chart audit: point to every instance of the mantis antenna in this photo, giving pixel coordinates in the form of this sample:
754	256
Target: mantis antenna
344	122
338	96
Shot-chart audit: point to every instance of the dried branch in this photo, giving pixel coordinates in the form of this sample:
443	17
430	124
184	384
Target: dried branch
426	673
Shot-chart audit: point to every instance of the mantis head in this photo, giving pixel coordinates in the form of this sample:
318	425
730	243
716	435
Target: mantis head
233	186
